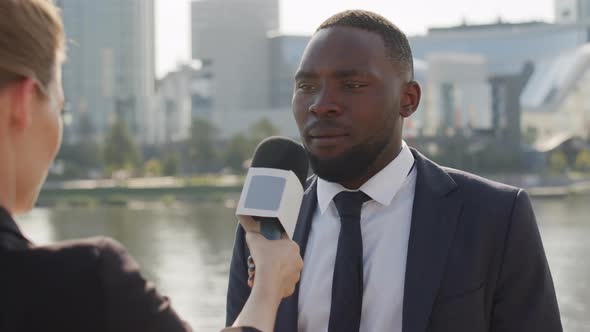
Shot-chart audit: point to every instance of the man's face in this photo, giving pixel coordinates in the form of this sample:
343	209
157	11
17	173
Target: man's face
346	102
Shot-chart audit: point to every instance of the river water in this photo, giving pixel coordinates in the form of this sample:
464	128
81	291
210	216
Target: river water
185	250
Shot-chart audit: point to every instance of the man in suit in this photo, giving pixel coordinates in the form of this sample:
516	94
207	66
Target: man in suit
392	241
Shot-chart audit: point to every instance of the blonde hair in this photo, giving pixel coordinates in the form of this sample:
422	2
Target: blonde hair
32	41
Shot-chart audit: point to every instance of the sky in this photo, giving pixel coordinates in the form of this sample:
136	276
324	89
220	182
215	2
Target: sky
303	16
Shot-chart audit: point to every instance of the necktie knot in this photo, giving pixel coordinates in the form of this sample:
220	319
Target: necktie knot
349	204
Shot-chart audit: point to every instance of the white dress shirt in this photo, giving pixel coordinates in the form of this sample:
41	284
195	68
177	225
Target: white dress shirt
385	226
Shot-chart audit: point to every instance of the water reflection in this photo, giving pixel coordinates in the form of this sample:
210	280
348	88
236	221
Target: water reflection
565	228
185	250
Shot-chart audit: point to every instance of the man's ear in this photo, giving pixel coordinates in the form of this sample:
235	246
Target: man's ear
410	98
22	100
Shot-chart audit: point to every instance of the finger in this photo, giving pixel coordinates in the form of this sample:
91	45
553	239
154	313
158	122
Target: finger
284	236
251	265
253	237
251	277
289	292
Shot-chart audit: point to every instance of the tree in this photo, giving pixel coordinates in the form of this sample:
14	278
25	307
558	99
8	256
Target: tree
557	162
237	151
79	159
84	156
531	135
241	146
120	151
201	145
583	161
153	167
170	165
260	130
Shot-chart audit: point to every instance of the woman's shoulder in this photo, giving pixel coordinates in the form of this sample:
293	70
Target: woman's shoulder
100	255
92	247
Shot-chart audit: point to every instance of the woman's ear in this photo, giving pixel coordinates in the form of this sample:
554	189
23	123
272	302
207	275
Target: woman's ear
22	100
410	99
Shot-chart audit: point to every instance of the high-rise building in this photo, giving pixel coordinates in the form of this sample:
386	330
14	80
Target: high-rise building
110	69
231	37
572	11
285	55
181	96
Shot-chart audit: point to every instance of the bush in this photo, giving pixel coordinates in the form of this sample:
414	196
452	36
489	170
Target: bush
153	167
583	161
557	162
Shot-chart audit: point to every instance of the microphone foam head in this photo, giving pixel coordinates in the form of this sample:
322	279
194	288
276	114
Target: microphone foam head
282	153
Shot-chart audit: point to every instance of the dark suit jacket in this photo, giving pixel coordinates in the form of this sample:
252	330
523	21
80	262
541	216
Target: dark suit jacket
475	259
87	285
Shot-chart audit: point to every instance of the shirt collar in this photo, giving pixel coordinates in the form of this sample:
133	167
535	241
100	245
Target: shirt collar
382	187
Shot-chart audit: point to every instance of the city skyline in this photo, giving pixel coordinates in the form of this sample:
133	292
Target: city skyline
296	17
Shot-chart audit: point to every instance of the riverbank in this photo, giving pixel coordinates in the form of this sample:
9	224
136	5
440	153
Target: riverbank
122	192
218	187
549	186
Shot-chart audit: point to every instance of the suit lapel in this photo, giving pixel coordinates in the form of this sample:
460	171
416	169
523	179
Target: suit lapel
288	311
434	217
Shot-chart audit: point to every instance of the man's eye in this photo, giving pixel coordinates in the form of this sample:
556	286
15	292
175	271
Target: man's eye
353	85
305	86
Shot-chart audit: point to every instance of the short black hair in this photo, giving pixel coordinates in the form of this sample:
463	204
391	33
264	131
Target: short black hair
395	40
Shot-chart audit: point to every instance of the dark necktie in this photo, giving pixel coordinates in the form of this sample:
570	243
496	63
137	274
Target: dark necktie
347	285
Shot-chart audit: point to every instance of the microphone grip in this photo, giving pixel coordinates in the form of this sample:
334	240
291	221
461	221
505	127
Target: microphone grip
270	228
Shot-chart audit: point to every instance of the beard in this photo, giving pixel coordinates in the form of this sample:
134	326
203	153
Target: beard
351	165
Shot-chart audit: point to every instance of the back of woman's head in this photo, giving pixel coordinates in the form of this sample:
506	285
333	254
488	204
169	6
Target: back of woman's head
31	41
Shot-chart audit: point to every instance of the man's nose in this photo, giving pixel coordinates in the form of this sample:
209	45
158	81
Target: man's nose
324	104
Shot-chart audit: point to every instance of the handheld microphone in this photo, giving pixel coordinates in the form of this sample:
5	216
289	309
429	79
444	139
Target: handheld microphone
274	186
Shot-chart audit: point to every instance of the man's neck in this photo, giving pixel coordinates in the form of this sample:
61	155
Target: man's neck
387	156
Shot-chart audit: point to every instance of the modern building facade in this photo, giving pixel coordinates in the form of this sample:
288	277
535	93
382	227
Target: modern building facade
231	36
572	11
285	55
555	101
181	96
506	46
457	94
111	67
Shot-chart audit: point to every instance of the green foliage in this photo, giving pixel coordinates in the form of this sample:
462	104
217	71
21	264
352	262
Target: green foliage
170	165
241	146
201	145
79	159
583	161
237	151
261	130
120	151
557	162
530	135
82	158
487	157
153	167
497	158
